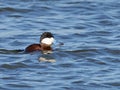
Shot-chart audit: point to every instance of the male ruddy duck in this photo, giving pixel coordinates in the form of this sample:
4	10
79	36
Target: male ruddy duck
46	41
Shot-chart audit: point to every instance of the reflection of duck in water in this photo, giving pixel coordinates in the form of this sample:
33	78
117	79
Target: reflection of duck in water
43	59
46	41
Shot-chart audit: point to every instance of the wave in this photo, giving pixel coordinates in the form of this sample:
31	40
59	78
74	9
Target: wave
10	9
4	51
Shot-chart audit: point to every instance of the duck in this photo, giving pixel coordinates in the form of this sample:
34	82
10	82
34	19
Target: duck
45	44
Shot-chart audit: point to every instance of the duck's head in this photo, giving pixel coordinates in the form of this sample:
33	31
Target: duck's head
47	38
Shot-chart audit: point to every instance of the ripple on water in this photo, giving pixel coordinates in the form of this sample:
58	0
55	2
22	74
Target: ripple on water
89	58
14	66
10	9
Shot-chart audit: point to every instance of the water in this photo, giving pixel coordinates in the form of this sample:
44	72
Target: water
89	58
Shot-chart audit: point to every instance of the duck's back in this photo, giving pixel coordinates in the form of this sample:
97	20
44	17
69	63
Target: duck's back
33	47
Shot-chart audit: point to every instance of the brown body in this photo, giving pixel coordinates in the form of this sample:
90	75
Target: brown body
38	47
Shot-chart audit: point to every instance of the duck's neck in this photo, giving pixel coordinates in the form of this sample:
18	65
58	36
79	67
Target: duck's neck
46	47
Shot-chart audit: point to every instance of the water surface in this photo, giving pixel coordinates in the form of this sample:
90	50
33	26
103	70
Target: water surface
89	58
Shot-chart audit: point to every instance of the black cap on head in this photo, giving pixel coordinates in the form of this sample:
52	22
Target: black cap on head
46	35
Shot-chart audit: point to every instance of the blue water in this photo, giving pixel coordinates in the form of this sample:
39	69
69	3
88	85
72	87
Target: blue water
89	58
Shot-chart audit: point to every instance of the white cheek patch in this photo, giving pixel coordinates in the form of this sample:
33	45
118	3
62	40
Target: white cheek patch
48	41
